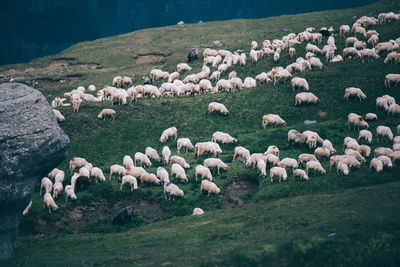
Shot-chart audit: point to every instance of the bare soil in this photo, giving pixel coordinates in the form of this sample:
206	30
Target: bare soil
233	191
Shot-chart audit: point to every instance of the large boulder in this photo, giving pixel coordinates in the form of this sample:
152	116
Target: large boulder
31	145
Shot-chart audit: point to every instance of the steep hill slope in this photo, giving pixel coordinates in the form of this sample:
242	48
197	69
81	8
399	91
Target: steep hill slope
140	125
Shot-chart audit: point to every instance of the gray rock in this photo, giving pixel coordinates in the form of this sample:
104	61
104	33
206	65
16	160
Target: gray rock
31	145
124	215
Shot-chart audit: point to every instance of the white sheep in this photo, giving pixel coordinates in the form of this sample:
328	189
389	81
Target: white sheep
222	137
392	78
394	109
379	151
117	169
272	119
47	184
151	153
315	166
395	156
179	160
356	121
76	163
278	171
289	163
49	201
367	135
130	180
364	150
210	187
69	193
321	152
296	136
299	83
352	91
301	174
356	154
241	154
309	133
207	147
373	40
135	171
183	66
171	131
107	112
197	211
215	163
344	29
58	115
97	173
313	48
128	161
166	152
184	143
57	189
142	159
203	172
252	161
27	208
274	150
392	57
384	131
249	82
371	117
387	162
342	168
149	178
327	144
350	52
172	190
376	164
218	107
163	175
178	172
369	53
306	98
305	157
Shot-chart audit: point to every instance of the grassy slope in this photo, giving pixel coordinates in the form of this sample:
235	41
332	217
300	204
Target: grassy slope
104	143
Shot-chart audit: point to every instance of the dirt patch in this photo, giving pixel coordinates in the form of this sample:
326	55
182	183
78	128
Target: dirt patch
59	63
48	83
234	190
149	58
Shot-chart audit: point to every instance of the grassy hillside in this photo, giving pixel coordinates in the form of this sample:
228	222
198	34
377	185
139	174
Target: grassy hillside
260	231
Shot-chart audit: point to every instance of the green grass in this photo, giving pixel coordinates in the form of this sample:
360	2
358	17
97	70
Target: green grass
137	126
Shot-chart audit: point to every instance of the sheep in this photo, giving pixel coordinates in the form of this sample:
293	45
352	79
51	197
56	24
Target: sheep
356	121
395	156
371	117
184	142
209	52
376	164
297	137
299	83
249	82
305	158
351	161
57	189
359	45
352	91
253	55
278	171
157	74
272	119
198	211
394	109
218	107
342	168
262	78
281	75
344	29
107	112
315	166
364	150
53	173
210	187
58	115
204	172
179	160
396	140
47	184
142	159
128	161
292	52
222	137
301	174
135	171
373	40
321	152
205	86
182	67
27	208
271	159
384	131
337	58
327	144
166	152
306	98
241	154
350	52
149	178
97	173
313	48
116	169
392	57
386	46
289	163
387	162
382	151
172	190
130	180
76	163
369	53
151	153
207	147
215	163
360	30
351	143
356	154
59	177
171	131
309	133
274	150
49	201
178	172
69	193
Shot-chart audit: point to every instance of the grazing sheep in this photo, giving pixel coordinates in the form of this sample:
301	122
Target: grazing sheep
383	131
53	173
373	40
210	187
395	156
215	163
369	53
367	135
207	147
305	158
315	166
172	190
382	151
204	172
376	164
394	109
356	154
352	91
387	162
302	98
350	52
297	137
198	211
356	121
151	153
316	135
26	210
117	169
149	178
274	150
58	115
183	66
292	52
278	171
299	83
344	29
69	193
47	184
301	174
396	140
262	167
222	137
59	177
166	152
272	119
107	112
241	154
321	152
218	107
163	175
185	143
289	163
371	117
337	58
128	161
130	180
342	168
49	201
97	173
252	161
327	144
76	163
171	131
179	160
364	150
142	159
135	171
392	78
178	172
313	48
57	189
392	57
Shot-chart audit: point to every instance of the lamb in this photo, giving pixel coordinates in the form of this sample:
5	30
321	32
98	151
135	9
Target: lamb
222	137
376	164
151	153
178	172
149	178
171	131
241	154
107	112
382	151
383	131
352	91
69	193
342	168
344	29
272	119
210	187
183	66
207	147
356	154
274	150
130	180
166	152
315	166
142	159
218	107
184	142
215	163
57	189
322	152
128	161
47	184
289	163
179	160
356	121
26	210
278	171
299	83
371	117
49	201
387	162
172	190
97	173
305	98
305	158
297	137
116	169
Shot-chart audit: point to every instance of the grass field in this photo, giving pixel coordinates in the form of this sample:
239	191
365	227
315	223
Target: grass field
282	223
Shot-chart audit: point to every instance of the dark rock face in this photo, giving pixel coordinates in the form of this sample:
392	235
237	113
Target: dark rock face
123	216
31	145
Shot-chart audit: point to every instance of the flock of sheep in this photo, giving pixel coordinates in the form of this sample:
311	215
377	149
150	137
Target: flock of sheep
355	154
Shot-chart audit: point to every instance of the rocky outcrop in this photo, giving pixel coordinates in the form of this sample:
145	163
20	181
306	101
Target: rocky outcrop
31	144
